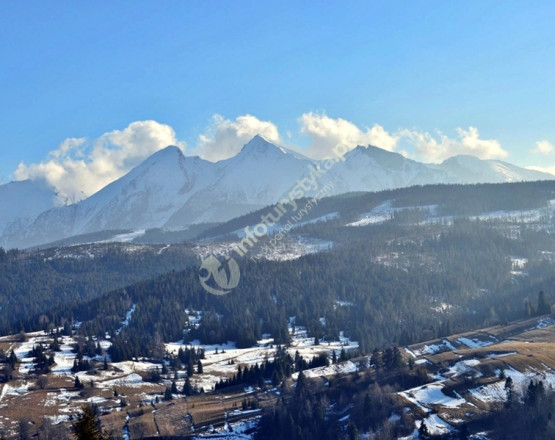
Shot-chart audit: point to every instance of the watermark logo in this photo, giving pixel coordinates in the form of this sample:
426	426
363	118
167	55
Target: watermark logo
226	281
219	278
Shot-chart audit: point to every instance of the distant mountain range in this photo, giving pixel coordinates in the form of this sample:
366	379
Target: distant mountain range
170	190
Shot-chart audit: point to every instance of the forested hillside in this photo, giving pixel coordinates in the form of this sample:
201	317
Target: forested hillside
402	286
33	283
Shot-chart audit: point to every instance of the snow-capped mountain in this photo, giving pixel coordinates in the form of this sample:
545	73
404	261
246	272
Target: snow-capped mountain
170	190
470	169
373	169
260	174
146	197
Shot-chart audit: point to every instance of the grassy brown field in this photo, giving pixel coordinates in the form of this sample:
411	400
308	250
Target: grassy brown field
526	347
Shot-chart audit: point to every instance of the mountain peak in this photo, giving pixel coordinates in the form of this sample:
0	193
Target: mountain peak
260	146
169	151
385	158
166	156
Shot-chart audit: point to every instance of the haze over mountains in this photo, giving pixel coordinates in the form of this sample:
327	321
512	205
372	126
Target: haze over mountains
170	190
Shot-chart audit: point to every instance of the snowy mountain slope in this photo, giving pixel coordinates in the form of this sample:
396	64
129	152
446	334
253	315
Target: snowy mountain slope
470	169
144	198
21	202
170	190
260	174
148	195
373	169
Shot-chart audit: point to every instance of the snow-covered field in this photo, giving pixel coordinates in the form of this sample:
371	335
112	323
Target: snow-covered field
222	360
232	431
386	211
443	408
451	345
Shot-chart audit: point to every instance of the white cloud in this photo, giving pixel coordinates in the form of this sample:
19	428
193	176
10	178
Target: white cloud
70	146
326	133
543	147
441	147
224	138
78	168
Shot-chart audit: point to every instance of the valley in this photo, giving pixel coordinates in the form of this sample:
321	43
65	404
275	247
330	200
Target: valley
379	312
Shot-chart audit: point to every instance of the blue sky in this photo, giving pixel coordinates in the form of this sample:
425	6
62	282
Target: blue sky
427	79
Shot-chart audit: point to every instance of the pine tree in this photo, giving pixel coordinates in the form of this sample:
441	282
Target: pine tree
301	387
377	361
528	312
388	361
343	355
187	387
535	393
398	361
86	426
276	379
12	360
199	367
544	308
367	411
510	392
168	393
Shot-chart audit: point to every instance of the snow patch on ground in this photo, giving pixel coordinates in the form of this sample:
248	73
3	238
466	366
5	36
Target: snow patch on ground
463	367
437	426
545	322
494	392
444	345
330	370
126	238
127	319
380	214
222	360
232	431
474	343
432	394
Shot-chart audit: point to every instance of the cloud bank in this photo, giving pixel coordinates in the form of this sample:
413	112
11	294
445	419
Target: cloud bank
543	147
326	133
440	147
79	168
224	138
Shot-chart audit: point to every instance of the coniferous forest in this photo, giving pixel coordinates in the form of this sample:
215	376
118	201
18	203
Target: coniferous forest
431	269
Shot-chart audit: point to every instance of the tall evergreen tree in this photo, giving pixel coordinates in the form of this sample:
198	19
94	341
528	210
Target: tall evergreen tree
509	390
86	427
301	386
187	387
544	307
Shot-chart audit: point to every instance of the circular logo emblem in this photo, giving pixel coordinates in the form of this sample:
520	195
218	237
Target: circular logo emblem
219	278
